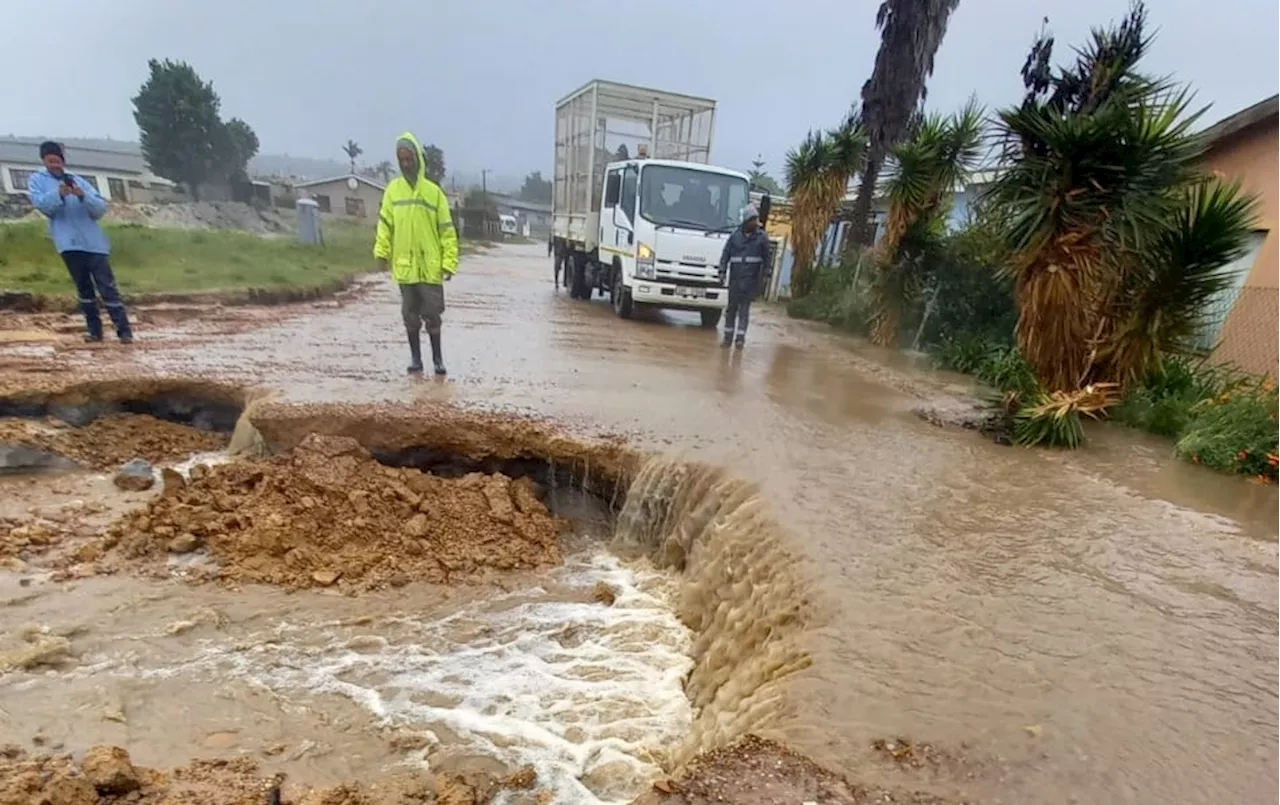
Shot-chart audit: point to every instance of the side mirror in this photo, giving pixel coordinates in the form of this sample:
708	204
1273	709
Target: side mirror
766	204
612	190
631	237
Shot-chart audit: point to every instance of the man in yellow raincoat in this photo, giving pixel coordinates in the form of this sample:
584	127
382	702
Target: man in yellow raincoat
417	241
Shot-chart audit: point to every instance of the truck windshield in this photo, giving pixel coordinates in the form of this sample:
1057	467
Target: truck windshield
692	198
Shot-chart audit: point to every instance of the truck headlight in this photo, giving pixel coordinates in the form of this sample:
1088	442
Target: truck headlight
644	263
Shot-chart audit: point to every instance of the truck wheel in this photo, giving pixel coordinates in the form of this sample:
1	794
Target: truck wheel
622	304
710	318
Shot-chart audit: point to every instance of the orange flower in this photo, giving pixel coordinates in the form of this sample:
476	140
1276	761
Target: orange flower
1273	459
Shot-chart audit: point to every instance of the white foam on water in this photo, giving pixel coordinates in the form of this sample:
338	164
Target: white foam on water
589	695
185	466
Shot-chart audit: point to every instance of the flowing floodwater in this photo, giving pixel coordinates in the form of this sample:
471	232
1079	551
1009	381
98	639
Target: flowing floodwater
1097	626
587	693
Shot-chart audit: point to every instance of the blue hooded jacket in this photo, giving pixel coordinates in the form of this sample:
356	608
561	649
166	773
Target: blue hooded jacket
73	223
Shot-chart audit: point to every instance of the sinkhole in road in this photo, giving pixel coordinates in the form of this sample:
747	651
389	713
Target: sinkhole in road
637	609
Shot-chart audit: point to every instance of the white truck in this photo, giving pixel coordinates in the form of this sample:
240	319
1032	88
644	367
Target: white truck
638	214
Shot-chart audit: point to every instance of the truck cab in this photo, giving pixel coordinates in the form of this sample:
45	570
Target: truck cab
663	225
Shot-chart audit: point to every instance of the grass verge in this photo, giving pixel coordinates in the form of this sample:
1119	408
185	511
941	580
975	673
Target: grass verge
155	261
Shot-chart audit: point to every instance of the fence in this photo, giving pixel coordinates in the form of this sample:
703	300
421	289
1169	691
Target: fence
1246	330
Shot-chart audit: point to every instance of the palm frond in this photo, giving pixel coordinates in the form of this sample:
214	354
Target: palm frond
1163	305
848	145
1054	419
806	162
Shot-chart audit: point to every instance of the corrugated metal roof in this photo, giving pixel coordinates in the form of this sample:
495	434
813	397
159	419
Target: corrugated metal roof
26	150
344	178
520	204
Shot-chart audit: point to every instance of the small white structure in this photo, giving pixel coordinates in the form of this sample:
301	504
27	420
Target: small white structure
309	231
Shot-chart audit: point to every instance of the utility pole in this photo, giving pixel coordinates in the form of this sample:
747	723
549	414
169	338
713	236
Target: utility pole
484	184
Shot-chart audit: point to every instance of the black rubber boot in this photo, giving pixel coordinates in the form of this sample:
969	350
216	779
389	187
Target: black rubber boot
415	353
437	358
728	339
740	342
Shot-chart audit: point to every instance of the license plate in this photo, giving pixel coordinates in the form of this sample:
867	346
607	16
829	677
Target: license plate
688	293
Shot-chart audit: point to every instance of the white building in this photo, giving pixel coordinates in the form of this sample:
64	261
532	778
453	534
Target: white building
117	170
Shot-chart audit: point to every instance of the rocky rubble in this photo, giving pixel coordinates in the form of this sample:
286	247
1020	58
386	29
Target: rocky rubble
106	776
329	514
110	441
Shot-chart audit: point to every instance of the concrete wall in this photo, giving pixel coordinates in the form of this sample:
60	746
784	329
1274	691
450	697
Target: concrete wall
1249	335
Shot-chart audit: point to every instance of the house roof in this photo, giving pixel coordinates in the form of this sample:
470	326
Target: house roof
521	204
1245	118
343	178
26	151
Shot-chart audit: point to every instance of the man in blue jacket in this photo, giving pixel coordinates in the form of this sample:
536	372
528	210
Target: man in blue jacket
74	208
745	255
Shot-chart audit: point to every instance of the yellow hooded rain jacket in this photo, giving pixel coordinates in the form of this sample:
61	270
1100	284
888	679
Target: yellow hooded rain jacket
415	230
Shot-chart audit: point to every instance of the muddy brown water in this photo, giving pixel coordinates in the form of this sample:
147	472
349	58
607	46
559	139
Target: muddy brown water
1089	627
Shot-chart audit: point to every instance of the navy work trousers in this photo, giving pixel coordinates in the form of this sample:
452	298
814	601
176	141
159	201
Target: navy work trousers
93	277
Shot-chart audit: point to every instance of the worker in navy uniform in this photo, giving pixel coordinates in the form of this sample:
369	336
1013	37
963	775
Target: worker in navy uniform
742	262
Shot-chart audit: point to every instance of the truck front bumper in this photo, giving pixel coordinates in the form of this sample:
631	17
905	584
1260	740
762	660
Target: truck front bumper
679	297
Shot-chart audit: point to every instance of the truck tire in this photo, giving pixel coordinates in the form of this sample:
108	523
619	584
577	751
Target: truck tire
710	318
623	305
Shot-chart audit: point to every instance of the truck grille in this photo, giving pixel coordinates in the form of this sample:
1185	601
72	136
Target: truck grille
687	274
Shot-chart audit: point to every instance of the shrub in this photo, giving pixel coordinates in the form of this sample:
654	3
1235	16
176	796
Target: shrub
1162	402
1235	431
997	364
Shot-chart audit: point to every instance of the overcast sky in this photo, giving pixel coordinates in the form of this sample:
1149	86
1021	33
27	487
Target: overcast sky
480	77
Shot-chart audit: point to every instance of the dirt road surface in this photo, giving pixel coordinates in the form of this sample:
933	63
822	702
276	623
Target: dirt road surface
1096	626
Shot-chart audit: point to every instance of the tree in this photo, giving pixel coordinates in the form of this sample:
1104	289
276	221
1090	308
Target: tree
910	33
535	188
924	174
435	163
478	199
818	173
353	150
762	181
236	143
384	170
178	124
1117	239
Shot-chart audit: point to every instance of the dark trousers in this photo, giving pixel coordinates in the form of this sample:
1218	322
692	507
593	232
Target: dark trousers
91	272
737	313
422	304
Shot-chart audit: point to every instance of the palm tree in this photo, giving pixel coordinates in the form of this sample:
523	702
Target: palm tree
385	170
848	155
352	150
818	174
910	33
1117	239
807	177
925	171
